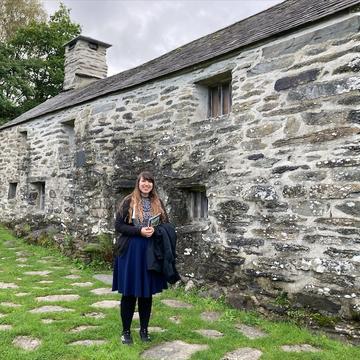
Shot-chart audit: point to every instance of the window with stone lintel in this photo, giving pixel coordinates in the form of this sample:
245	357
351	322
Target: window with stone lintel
217	90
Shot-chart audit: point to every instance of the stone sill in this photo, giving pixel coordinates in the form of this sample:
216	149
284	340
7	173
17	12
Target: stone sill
194	226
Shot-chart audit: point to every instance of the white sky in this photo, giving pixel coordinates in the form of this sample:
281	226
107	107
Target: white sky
143	30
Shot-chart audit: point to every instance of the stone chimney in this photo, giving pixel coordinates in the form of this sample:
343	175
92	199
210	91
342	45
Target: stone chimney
85	62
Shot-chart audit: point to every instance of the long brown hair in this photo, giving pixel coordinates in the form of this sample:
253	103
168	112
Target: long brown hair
135	199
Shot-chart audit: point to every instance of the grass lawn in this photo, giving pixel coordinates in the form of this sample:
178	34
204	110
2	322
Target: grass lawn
56	336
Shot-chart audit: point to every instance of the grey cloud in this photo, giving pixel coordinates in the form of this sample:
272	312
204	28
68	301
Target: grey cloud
142	30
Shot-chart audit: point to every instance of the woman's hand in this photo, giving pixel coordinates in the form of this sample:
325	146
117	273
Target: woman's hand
147	231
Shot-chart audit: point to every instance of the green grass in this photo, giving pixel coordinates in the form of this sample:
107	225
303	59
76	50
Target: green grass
56	336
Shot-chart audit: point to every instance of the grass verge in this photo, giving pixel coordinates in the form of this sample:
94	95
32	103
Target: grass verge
17	257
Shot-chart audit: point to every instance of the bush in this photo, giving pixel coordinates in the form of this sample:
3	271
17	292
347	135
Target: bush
101	251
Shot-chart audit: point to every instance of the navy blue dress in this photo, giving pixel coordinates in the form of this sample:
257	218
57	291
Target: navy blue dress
131	276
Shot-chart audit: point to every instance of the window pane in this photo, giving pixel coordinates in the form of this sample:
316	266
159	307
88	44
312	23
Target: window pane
42	196
12	190
197	205
215	101
204	206
226	98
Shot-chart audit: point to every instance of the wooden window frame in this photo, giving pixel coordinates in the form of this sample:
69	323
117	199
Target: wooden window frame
218	93
198	205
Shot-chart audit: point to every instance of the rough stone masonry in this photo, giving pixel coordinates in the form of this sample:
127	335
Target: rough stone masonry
280	172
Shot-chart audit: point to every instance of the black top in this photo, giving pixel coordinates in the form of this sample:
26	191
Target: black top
126	229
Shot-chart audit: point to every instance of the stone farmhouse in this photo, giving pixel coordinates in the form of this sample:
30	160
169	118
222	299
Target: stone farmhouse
253	134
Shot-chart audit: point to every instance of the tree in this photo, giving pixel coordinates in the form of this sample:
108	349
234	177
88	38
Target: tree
17	13
32	63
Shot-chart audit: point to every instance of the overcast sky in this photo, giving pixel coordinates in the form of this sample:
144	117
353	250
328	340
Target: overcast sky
143	30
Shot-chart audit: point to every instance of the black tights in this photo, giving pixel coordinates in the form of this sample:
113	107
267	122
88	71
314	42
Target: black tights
127	309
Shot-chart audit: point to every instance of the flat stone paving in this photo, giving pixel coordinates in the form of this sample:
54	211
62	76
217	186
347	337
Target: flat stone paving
83	328
82	284
299	348
88	342
210	316
101	291
54	298
250	331
176	304
174	350
5	327
106	279
26	342
244	354
50	309
4	285
210	333
106	304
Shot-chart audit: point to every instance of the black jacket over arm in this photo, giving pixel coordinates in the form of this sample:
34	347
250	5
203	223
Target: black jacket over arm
161	252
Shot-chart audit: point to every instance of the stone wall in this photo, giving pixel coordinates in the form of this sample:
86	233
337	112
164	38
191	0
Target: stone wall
84	64
280	171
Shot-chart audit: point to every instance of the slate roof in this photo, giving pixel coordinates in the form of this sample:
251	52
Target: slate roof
288	15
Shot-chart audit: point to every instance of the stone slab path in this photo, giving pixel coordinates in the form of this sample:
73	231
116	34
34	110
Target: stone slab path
244	354
175	350
77	286
250	331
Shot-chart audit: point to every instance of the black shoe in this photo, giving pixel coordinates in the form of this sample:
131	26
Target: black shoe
126	337
144	335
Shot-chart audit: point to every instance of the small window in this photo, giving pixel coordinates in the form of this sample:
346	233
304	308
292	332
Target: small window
23	136
38	194
72	45
69	127
219	99
93	46
12	190
198	205
214	93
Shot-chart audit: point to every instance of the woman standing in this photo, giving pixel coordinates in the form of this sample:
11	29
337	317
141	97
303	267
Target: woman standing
131	276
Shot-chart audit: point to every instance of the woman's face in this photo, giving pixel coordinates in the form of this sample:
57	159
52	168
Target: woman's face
145	186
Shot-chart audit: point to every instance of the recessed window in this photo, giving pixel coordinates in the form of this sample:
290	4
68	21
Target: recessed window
38	194
69	127
215	94
198	205
72	45
23	137
12	190
219	99
93	46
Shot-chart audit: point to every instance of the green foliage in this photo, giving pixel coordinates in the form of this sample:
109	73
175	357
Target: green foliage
26	228
101	251
32	63
17	13
56	337
282	299
68	243
303	316
45	240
